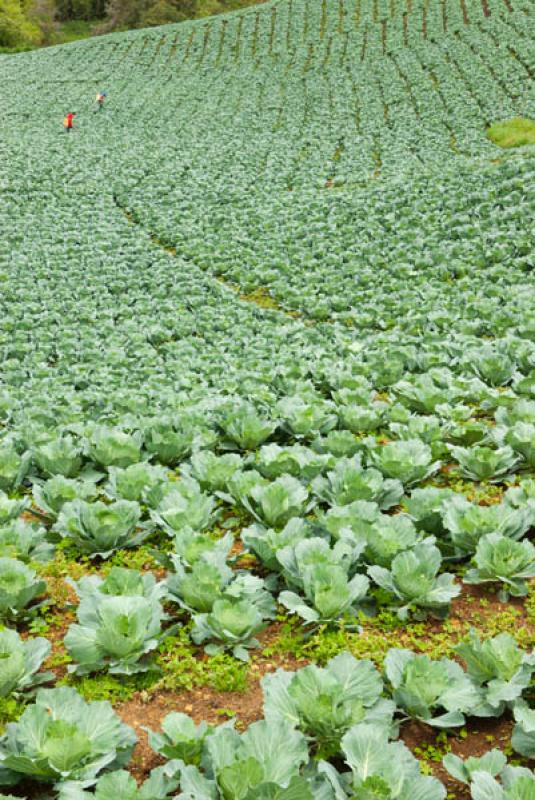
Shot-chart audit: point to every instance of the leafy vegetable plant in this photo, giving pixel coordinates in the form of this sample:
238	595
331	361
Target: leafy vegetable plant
25	541
323	703
180	738
409	461
62	738
99	529
499	559
421	687
19	588
380	769
20	661
414	581
499	667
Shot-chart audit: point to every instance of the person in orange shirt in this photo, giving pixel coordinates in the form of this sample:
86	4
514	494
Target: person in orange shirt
68	122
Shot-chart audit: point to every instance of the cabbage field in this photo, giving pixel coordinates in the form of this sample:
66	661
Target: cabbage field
267	408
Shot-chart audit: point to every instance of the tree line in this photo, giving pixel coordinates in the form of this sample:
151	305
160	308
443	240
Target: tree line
34	23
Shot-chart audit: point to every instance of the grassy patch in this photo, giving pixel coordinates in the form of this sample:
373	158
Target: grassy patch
384	631
261	297
75	29
185	669
512	132
108	687
10	710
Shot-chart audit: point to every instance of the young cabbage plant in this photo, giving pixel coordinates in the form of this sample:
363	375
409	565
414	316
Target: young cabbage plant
324	703
306	418
99	529
113	447
500	669
232	624
170	441
353	521
185	508
120	582
485	464
297	558
491	365
133	482
409	461
414	581
19	588
189	547
329	594
522	496
11	509
386	368
525	384
25	541
20	662
468	522
438	693
468	433
265	543
180	738
266	762
210	580
62	738
349	482
277	502
296	460
348	388
61	456
116	633
499	559
213	472
521	438
240	486
426	508
493	763
523	739
365	418
429	429
421	394
53	494
517	783
339	444
245	429
520	410
391	535
120	785
379	769
13	467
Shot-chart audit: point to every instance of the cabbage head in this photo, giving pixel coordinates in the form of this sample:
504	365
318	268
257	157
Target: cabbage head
414	581
409	461
19	588
25	541
20	662
62	738
98	529
499	559
325	702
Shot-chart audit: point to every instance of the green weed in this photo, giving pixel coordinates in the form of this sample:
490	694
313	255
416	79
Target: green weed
514	132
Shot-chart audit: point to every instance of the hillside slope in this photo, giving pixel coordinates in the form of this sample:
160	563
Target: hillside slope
277	293
328	152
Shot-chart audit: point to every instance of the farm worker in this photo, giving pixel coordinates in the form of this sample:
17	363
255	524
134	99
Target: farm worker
101	96
68	121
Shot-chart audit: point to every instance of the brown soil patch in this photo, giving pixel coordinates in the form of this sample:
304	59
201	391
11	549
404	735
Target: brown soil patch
479	736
